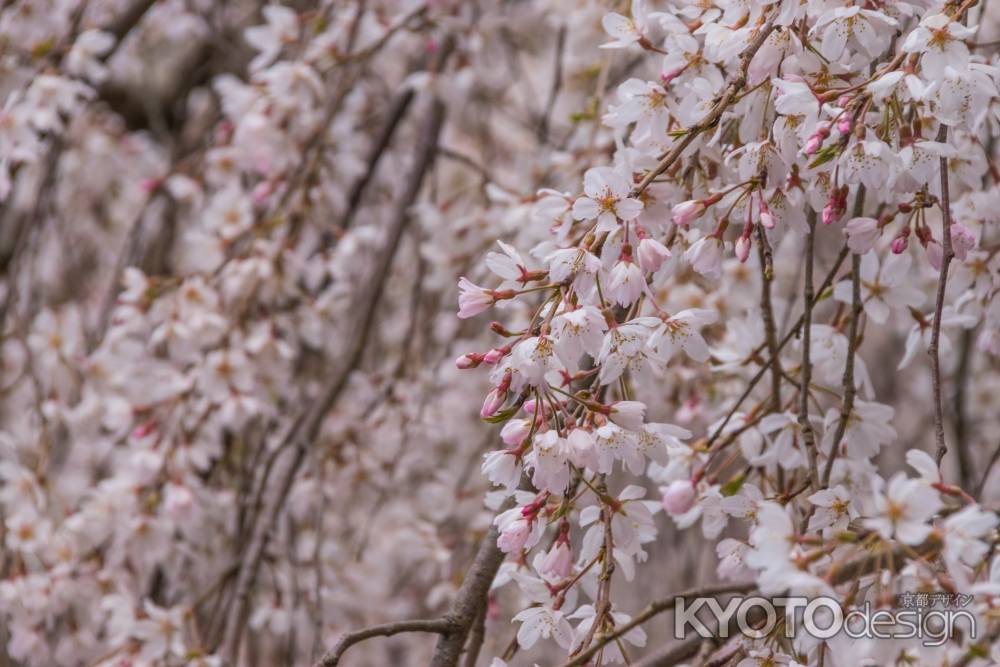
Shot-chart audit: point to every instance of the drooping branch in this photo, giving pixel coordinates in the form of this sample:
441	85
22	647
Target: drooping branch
946	256
852	347
805	376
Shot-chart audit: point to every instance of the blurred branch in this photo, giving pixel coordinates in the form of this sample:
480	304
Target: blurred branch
557	79
307	427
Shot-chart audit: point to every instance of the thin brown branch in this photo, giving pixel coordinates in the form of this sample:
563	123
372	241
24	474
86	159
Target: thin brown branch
436	626
476	637
712	117
932	349
781	345
848	380
852	347
808	299
655	608
770	330
397	111
960	410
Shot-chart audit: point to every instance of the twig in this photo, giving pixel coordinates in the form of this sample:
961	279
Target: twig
848	380
959	410
852	347
436	626
397	111
986	473
932	349
770	331
808	298
781	345
476	637
710	119
655	608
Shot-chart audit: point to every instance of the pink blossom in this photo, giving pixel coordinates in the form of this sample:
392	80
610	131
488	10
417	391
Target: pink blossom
473	299
558	561
514	536
628	414
652	254
962	240
678	497
705	256
861	234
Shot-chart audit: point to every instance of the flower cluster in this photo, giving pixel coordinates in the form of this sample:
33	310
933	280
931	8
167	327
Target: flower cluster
739	263
810	126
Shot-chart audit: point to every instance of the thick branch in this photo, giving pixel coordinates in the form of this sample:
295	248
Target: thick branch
470	599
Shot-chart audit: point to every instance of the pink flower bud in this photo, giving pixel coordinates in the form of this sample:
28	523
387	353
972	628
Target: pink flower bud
494	356
469	360
494	401
844	125
766	217
831	212
667	77
678	498
687	211
813	144
151	184
472	299
899	245
743	248
262	191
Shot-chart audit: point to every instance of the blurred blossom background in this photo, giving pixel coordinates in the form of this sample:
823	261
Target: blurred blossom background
232	428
